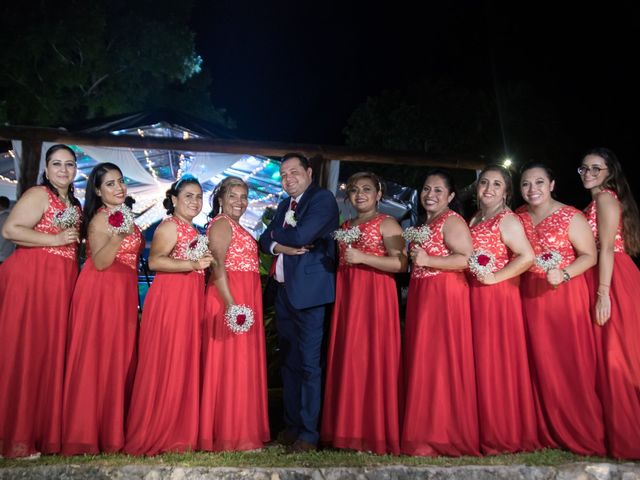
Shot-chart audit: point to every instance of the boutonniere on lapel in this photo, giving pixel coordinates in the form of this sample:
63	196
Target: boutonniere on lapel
290	218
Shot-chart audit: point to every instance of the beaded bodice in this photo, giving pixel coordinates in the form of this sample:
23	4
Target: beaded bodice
47	224
592	218
551	234
434	245
242	254
487	237
370	240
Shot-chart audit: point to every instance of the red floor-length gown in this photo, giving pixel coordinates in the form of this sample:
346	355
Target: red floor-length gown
441	408
619	348
36	284
561	344
163	415
362	391
233	405
506	408
101	350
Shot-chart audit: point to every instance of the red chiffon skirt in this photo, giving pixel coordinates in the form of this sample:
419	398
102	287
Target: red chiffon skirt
619	358
100	359
563	364
506	407
233	407
163	416
362	392
35	293
441	409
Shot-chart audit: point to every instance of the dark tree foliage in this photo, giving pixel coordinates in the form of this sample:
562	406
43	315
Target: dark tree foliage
445	117
68	60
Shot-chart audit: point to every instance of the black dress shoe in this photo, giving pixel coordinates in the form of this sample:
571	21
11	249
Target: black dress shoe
301	446
286	437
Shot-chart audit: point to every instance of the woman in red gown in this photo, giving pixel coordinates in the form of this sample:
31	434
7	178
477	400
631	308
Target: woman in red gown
505	396
362	391
614	285
441	409
163	416
36	284
102	324
233	406
555	301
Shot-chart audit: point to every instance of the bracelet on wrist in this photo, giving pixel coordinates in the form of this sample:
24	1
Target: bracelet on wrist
565	276
604	285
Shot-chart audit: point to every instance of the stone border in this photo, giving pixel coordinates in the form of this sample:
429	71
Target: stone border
579	471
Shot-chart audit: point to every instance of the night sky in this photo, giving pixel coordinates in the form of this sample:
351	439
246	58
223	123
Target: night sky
295	70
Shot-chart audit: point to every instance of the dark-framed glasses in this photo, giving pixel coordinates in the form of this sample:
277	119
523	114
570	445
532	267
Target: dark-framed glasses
595	170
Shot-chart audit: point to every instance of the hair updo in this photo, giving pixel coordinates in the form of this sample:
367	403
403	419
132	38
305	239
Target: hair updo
375	179
176	188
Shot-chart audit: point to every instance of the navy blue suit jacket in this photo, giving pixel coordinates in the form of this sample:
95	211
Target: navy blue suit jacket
309	278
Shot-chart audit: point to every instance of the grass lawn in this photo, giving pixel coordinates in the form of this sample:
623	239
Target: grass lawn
275	457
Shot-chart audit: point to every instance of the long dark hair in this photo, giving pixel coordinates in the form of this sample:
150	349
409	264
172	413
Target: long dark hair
92	201
446	176
176	188
45	180
223	187
617	182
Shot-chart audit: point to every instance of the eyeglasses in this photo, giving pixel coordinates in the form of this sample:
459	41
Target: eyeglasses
595	170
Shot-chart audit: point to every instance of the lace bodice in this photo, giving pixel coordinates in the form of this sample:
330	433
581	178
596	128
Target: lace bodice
370	241
47	225
130	247
242	254
486	236
592	217
551	234
187	233
434	246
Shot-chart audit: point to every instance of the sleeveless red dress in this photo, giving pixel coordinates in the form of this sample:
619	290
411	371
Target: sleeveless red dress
441	408
101	359
505	395
163	416
36	284
619	353
362	391
233	406
561	343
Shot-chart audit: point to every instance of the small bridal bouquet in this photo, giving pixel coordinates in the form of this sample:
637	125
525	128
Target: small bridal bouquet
481	263
548	260
197	248
238	318
347	236
67	218
417	235
120	220
290	218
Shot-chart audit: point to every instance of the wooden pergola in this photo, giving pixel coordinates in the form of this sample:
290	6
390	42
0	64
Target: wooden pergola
33	137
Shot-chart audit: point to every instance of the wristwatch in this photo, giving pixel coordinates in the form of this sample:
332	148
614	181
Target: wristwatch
565	276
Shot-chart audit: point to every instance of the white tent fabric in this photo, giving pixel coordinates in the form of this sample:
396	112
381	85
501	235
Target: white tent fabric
123	158
207	165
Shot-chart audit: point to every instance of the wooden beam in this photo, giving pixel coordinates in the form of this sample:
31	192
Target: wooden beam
269	149
31	151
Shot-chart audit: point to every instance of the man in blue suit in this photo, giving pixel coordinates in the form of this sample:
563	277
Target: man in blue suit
300	237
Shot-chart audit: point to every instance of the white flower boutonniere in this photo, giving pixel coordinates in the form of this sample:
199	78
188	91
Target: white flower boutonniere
290	218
